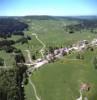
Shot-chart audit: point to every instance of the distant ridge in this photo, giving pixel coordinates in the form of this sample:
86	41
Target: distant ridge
49	17
41	17
85	17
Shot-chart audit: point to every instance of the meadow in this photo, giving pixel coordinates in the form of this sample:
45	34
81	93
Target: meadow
61	80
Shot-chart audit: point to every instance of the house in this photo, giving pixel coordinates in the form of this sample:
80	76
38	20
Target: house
56	51
39	60
50	57
94	42
66	50
85	87
81	45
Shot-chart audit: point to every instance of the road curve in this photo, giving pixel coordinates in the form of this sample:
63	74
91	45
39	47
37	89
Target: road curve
35	92
42	54
43	48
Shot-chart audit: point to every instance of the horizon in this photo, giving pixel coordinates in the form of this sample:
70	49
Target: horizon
50	15
48	8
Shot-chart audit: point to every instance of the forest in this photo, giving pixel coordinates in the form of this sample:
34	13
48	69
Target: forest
9	26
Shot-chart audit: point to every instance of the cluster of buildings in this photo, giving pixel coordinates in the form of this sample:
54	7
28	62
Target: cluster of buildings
60	52
79	46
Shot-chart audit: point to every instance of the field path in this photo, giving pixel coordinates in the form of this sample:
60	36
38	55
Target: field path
5	66
33	86
43	48
29	56
80	98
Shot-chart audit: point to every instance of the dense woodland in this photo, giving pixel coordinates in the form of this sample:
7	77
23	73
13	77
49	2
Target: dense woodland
11	87
11	80
9	26
11	83
83	25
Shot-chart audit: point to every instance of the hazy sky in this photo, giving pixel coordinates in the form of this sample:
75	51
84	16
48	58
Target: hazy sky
48	7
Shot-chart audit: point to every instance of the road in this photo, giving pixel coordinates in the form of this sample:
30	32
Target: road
42	50
39	64
29	56
33	86
80	98
5	66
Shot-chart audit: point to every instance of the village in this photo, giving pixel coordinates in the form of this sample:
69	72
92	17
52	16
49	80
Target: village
58	53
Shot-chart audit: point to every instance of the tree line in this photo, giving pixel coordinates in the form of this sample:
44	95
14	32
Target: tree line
82	25
13	79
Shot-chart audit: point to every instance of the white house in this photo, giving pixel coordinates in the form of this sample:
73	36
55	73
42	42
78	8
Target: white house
94	42
50	57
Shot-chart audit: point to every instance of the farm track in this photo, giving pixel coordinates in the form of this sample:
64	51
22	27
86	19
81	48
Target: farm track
29	55
41	42
34	88
80	98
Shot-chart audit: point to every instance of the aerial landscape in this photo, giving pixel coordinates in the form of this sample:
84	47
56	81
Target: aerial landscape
48	50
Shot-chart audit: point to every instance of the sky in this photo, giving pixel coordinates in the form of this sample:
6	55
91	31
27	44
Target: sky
48	7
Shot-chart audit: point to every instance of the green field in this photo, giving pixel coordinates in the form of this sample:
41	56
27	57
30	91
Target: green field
52	32
61	80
